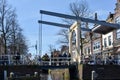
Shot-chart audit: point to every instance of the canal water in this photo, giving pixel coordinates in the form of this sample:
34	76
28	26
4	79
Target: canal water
56	75
52	77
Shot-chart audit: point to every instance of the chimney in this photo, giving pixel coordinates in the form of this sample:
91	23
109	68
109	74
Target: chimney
118	1
96	16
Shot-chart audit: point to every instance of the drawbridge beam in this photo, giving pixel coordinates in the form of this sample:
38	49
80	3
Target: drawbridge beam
80	18
54	24
60	25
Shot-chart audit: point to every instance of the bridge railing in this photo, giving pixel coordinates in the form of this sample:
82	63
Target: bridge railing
25	60
57	61
12	59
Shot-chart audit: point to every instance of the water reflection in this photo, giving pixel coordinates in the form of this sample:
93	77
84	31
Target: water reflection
53	76
57	76
44	77
49	77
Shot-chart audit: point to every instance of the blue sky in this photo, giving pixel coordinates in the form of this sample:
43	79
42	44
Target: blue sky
28	15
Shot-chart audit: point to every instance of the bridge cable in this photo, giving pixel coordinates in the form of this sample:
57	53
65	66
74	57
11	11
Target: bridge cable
40	38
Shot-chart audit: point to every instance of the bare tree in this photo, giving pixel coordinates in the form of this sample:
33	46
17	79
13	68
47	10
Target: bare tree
21	43
13	37
63	33
17	41
6	17
78	9
9	28
51	48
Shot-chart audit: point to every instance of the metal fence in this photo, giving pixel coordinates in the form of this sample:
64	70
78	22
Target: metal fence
27	60
11	59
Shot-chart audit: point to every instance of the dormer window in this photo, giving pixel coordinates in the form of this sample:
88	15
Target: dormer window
118	34
109	40
105	42
117	20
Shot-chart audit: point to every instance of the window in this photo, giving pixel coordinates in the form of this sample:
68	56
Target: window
87	50
73	38
96	45
118	34
105	42
117	20
109	41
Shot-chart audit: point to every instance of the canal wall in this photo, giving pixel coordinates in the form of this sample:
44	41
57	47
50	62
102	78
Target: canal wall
21	70
108	72
74	73
80	72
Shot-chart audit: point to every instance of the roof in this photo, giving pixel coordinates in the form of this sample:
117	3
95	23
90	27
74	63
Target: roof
103	29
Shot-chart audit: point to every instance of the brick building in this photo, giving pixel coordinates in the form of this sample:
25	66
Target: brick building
99	47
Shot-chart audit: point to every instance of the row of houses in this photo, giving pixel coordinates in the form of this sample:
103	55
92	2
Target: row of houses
101	47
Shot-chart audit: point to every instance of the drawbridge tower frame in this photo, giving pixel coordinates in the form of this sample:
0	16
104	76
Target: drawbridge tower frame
77	28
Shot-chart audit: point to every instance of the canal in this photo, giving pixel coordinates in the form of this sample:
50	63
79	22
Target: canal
56	74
